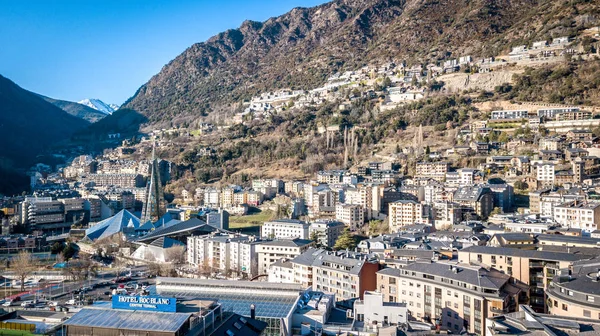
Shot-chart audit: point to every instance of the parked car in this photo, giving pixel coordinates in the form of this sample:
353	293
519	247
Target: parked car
71	302
27	302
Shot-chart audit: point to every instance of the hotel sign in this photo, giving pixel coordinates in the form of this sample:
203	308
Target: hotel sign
151	303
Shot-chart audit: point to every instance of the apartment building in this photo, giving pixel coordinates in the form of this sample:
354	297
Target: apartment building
117	180
477	197
42	210
550	113
534	268
330	176
544	173
346	274
353	215
368	195
456	296
326	231
223	253
434	170
272	250
510	114
578	215
576	292
404	213
285	228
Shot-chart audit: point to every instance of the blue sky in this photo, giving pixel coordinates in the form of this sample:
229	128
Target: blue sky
107	49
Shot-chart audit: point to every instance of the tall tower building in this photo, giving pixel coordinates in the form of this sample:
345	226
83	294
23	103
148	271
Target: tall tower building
154	206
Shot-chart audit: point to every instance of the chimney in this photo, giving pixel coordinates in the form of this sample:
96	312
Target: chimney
252	311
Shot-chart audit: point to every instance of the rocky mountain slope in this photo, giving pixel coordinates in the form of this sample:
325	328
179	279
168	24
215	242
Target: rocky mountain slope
300	49
78	110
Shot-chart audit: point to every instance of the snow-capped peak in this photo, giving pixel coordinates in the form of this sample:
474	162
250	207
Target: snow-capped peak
99	105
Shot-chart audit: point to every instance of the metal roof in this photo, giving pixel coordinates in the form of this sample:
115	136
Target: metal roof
132	320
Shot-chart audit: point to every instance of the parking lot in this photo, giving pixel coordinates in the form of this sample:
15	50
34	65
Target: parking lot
75	294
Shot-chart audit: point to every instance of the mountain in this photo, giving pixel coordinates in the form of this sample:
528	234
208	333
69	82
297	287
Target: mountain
301	48
28	124
99	105
78	110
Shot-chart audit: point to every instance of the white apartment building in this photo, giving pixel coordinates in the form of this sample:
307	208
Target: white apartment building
353	215
212	197
545	173
510	114
285	228
578	215
404	212
223	253
271	251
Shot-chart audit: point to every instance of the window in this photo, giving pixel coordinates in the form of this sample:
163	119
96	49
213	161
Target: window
564	306
570	293
587	313
590	298
449	313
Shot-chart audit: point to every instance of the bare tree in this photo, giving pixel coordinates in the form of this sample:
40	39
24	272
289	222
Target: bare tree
175	255
23	265
80	269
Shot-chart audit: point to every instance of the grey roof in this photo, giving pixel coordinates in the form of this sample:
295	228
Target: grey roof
568	239
125	319
308	257
188	226
288	242
473	275
318	258
583	277
531	254
469	193
514	236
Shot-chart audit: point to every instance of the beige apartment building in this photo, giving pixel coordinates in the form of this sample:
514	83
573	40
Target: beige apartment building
454	296
576	292
434	170
534	268
578	215
274	250
403	213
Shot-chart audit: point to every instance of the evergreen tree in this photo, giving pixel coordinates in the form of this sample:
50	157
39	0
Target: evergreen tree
345	241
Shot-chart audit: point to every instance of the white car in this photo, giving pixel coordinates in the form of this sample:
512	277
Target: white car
26	303
53	303
7	303
70	302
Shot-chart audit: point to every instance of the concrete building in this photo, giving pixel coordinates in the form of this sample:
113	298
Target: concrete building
434	170
510	114
403	213
285	228
578	215
353	215
326	231
575	292
273	250
477	197
456	297
534	268
372	309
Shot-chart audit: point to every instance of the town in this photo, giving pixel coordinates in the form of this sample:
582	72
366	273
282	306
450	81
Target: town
482	223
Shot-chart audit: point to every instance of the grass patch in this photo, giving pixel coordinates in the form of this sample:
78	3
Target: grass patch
8	332
254	218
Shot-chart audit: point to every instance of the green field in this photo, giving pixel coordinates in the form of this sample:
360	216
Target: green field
256	218
8	332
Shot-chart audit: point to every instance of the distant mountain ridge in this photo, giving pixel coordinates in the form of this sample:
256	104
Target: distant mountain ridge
28	125
99	105
301	48
78	110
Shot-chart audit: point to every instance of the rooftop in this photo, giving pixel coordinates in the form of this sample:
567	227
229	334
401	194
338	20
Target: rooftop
531	254
125	319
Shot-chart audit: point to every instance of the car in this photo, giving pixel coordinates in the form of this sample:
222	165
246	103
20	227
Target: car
26	303
86	289
71	302
107	293
53	303
7	304
112	287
